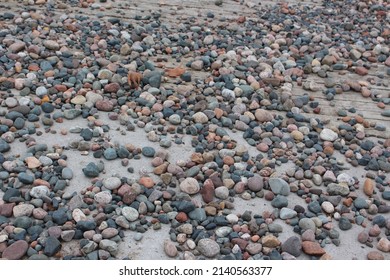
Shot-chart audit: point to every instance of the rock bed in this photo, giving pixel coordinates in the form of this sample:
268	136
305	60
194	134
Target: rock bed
230	87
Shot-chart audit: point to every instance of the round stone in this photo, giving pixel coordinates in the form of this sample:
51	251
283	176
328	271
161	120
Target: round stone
255	183
208	247
287	213
130	213
327	207
67	173
306	224
112	183
103	198
344	224
148	151
170	248
190	186
222	192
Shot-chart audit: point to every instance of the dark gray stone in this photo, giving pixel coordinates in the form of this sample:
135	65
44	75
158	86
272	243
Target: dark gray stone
52	246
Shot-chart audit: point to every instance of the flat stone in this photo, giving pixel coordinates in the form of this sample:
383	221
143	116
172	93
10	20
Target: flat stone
312	248
293	246
328	135
109	245
279	186
23	210
39	191
52	246
375	255
287	213
337	189
16	250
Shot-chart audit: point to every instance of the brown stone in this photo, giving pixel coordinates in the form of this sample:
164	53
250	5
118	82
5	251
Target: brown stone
104	105
312	248
270	241
210	210
16	250
360	70
6	210
124	189
374	231
181	217
363	237
375	255
129	197
383	245
32	162
368	187
112	87
147	182
240	242
161	168
207	191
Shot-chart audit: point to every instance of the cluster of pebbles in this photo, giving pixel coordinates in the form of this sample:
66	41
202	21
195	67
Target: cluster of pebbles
239	77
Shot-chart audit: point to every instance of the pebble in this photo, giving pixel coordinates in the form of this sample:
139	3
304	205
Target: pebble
52	246
255	183
130	213
170	248
328	135
112	183
344	224
16	250
208	247
312	248
293	246
375	255
279	186
190	186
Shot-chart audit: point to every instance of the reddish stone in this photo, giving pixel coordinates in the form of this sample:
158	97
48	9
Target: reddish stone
124	189
312	248
112	87
368	187
147	182
207	191
181	217
104	105
360	70
7	209
16	250
129	197
61	88
240	242
375	255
